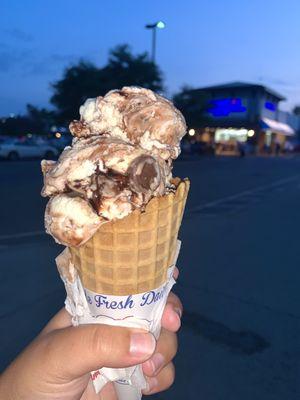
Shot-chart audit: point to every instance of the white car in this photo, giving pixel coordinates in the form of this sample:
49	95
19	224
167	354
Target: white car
15	149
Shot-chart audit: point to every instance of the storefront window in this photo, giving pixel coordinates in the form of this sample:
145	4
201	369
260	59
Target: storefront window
224	135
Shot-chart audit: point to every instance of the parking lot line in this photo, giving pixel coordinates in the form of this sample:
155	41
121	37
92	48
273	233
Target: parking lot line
244	193
22	235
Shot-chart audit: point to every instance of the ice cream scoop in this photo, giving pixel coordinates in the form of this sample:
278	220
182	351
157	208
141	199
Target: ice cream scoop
119	159
135	115
70	219
98	155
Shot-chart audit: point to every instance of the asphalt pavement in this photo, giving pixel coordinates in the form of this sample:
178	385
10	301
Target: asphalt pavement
239	278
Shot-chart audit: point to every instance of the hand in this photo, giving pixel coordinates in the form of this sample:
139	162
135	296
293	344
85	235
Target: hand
57	363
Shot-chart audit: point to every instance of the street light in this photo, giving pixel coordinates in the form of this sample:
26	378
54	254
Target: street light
159	25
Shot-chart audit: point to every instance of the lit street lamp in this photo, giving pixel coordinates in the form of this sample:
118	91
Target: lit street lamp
159	25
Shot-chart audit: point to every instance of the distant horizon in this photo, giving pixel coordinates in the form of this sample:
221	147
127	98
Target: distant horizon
202	44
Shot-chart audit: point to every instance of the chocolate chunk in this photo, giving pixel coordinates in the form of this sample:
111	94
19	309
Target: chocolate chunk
106	185
79	129
144	174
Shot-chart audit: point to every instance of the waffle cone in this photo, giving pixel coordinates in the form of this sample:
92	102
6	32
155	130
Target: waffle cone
132	255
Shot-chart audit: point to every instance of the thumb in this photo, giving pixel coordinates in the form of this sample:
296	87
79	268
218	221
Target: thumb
75	351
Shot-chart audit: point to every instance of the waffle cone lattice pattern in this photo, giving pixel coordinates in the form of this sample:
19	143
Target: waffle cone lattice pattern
132	255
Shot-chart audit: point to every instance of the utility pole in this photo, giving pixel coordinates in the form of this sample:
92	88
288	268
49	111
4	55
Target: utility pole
153	27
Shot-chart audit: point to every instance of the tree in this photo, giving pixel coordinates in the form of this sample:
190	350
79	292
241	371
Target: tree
41	119
296	110
78	83
35	121
192	103
84	80
15	126
124	68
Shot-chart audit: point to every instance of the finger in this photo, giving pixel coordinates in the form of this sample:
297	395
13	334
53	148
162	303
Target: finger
108	392
165	351
90	393
175	273
60	320
171	318
91	347
162	381
176	303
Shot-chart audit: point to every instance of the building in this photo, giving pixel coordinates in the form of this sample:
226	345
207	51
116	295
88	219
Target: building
238	112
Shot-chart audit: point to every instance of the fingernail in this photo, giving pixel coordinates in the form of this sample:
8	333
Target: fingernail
142	344
176	273
151	384
178	312
157	361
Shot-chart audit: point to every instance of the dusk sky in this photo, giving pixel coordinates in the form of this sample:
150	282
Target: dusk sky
204	42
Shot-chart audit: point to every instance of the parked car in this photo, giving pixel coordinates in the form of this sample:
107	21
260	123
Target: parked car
13	149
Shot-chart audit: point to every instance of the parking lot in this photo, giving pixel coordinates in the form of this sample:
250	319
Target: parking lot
239	278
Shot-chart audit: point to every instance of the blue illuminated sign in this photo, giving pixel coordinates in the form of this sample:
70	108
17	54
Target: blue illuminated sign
270	106
224	107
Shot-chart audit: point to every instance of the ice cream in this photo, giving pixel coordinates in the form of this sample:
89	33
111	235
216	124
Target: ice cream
114	203
134	115
120	158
